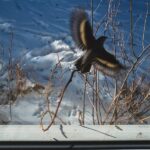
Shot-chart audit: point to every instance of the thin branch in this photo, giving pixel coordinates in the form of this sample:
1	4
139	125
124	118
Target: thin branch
145	21
131	27
61	98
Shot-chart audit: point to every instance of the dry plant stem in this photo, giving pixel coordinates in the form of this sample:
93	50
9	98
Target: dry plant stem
53	71
121	89
99	101
131	27
95	82
134	114
100	24
124	54
94	91
93	101
107	89
146	110
111	22
98	6
146	118
145	21
90	100
92	14
80	118
93	112
115	91
2	48
48	91
10	72
96	98
85	88
50	113
147	95
142	60
61	98
47	99
131	69
59	119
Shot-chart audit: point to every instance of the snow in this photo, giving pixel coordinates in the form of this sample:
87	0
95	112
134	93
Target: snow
42	38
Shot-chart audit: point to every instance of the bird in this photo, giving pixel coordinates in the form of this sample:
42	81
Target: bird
94	51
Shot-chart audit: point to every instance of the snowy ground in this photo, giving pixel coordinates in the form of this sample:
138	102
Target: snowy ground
41	37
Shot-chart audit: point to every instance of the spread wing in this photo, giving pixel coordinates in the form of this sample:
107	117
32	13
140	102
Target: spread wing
108	64
81	30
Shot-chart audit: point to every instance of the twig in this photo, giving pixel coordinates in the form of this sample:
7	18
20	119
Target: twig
61	97
84	96
116	98
131	28
98	6
94	91
10	74
143	36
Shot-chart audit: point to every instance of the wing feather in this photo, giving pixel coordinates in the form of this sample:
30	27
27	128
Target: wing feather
108	67
81	30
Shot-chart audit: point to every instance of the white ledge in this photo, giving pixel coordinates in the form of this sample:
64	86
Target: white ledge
74	133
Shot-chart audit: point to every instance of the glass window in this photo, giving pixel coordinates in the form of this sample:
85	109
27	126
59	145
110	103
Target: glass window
74	70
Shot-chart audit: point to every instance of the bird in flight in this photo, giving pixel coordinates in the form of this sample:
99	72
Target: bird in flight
94	51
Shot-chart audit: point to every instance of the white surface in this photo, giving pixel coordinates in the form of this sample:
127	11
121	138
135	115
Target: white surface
74	133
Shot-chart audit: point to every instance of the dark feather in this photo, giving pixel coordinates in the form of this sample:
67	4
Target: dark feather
95	53
108	66
100	41
81	30
108	61
84	68
84	63
107	70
